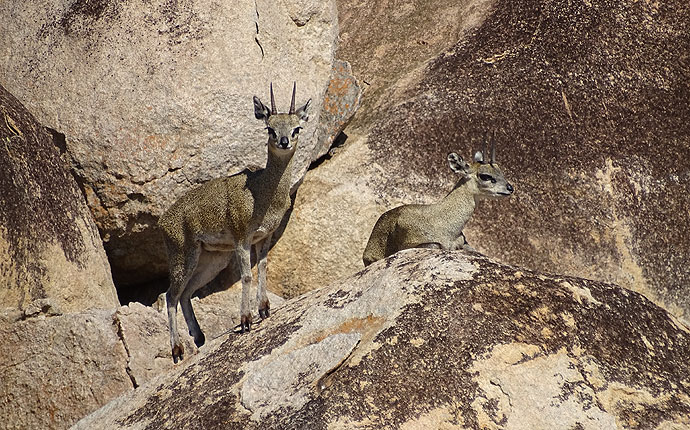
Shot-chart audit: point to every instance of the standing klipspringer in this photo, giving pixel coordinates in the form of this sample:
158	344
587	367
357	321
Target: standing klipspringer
439	225
227	216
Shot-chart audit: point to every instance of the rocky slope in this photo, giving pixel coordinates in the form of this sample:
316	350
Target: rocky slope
55	369
429	339
588	102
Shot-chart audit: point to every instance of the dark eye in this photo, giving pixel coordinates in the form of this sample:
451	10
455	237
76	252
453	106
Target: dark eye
487	178
271	132
295	132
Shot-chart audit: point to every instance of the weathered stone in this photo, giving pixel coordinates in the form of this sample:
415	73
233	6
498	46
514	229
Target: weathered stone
389	43
155	97
287	381
51	256
54	370
144	334
590	119
89	358
333	214
431	339
339	105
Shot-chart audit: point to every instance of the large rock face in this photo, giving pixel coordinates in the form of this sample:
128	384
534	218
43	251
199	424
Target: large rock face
589	115
428	339
51	256
58	368
155	97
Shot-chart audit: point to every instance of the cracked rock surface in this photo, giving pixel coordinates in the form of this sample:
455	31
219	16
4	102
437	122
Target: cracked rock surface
55	369
155	97
430	339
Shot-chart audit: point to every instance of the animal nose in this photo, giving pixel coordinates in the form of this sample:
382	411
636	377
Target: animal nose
284	142
509	187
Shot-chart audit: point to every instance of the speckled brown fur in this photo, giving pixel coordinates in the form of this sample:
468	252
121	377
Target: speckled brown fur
438	225
230	216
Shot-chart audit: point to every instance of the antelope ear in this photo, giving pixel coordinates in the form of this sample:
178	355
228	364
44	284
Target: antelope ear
457	164
479	157
302	111
260	110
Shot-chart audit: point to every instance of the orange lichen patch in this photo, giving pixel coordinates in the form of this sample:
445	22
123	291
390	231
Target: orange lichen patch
336	97
94	203
342	91
367	327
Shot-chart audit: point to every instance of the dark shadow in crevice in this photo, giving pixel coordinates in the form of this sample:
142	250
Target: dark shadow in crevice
337	143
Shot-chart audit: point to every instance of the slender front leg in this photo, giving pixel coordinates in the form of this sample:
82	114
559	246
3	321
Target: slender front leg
243	254
262	263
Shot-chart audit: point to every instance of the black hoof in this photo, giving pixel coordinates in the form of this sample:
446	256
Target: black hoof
200	340
177	353
264	309
245	324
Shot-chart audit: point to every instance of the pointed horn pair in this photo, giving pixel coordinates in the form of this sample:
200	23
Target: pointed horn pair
493	150
273	102
292	103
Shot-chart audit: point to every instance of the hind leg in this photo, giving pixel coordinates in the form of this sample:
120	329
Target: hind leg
177	348
208	267
181	269
190	318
